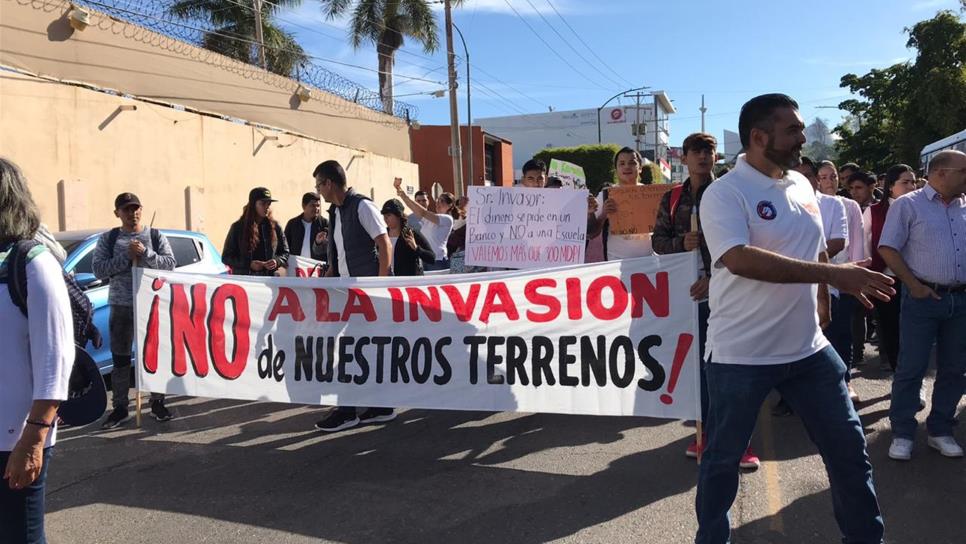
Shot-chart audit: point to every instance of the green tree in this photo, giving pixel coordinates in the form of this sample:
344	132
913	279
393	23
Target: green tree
906	106
386	24
234	32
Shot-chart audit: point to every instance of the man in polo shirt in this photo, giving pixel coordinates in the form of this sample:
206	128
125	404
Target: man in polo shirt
764	232
358	246
924	243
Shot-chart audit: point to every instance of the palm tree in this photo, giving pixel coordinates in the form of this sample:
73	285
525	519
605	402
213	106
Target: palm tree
233	34
385	24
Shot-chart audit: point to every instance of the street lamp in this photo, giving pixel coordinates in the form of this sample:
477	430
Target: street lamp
604	105
469	110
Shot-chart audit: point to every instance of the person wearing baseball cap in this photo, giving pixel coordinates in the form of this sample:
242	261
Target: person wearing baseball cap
256	245
117	251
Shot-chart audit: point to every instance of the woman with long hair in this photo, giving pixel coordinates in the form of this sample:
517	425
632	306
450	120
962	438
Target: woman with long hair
899	180
629	165
435	226
37	359
411	251
256	245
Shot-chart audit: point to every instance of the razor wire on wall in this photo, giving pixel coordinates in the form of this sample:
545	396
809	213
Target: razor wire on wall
156	16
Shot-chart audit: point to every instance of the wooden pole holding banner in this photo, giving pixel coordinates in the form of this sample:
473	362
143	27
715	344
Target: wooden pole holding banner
699	425
137	381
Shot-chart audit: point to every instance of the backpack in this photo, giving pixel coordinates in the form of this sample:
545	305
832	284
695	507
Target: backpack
116	232
81	309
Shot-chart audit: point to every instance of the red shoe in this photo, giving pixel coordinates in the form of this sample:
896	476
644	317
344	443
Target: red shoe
749	460
692	450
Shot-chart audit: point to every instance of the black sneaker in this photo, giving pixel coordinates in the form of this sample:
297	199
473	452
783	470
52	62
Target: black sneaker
781	409
118	416
160	411
377	415
337	420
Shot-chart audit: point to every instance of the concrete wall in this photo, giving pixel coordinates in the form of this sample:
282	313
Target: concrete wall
36	38
79	148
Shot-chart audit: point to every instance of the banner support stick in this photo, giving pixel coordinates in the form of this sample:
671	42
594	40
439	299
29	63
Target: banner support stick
699	425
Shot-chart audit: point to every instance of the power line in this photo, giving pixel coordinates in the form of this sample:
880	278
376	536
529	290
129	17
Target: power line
550	47
589	48
572	48
511	87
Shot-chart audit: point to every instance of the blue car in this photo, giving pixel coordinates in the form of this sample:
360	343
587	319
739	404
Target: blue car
193	252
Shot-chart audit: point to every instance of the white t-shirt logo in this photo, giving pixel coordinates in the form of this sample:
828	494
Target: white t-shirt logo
766	210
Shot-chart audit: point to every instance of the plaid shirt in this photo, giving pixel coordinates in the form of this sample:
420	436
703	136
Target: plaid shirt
668	238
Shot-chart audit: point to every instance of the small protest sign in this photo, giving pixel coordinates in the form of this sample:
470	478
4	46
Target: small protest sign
520	227
637	208
572	175
304	267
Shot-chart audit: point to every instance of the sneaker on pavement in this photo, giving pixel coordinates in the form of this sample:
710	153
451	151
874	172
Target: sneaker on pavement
749	460
946	445
901	449
338	420
160	411
115	418
377	415
693	449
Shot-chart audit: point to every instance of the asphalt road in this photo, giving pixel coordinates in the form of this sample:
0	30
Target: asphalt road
246	472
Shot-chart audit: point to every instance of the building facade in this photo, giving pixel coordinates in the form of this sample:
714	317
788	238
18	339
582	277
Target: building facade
492	158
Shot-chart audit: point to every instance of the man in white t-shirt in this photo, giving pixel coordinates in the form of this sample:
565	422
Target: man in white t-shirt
764	232
307	233
358	246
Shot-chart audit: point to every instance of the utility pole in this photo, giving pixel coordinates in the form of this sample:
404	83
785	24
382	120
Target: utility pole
657	128
702	109
637	122
454	114
469	105
258	34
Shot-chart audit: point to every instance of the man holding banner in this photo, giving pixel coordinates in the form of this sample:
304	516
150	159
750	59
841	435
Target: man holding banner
677	230
359	246
764	232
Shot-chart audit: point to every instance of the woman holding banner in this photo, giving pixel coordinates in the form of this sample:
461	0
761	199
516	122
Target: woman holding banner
629	165
38	348
436	226
410	249
256	245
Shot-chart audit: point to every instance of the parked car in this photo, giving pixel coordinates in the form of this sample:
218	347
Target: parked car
193	252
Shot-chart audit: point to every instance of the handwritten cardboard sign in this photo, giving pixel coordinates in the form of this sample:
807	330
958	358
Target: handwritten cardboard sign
572	175
637	208
520	227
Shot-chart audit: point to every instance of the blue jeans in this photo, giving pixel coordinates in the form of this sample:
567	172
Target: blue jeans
922	322
839	331
815	389
22	511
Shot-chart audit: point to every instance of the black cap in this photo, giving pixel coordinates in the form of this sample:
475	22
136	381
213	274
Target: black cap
310	197
393	206
124	200
260	193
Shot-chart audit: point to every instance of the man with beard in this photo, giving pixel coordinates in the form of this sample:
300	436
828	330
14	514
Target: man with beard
764	231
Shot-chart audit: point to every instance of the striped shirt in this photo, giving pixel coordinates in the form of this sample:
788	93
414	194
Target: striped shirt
929	234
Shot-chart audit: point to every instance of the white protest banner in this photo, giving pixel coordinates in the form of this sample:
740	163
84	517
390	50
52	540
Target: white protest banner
520	227
617	338
572	175
304	267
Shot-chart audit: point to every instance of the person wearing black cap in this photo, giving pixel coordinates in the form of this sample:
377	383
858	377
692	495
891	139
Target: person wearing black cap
256	245
410	249
117	251
307	234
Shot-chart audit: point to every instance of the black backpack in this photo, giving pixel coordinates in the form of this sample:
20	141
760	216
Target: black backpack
80	306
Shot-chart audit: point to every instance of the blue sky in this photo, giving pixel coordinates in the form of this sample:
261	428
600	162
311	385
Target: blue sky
728	50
